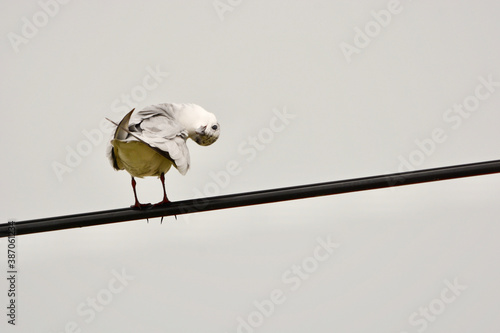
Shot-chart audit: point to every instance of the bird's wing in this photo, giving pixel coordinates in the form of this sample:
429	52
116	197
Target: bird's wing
156	125
162	133
164	110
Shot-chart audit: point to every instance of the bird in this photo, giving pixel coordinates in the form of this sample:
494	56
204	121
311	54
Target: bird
151	141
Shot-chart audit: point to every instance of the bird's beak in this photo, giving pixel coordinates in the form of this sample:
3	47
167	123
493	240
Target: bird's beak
201	130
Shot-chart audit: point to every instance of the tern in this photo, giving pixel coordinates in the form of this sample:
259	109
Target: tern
151	141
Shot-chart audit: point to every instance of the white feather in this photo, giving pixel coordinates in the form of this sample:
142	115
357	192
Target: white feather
154	139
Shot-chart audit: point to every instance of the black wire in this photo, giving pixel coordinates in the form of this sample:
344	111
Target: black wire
252	198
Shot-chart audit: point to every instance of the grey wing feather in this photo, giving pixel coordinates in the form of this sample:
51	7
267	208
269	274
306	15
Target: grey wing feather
176	148
157	127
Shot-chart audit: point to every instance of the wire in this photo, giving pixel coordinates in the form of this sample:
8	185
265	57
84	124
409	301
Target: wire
251	198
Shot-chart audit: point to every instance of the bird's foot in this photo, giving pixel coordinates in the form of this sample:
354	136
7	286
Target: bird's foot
162	203
161	221
140	206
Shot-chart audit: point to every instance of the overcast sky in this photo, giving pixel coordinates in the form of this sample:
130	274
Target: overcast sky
305	92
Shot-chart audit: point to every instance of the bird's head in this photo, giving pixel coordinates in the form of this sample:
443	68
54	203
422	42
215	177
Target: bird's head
201	125
207	133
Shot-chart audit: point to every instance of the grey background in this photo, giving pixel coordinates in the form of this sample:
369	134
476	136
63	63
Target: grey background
352	119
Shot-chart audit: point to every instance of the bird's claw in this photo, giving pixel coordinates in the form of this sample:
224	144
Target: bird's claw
162	203
141	206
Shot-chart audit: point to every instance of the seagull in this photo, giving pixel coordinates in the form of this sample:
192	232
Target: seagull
151	141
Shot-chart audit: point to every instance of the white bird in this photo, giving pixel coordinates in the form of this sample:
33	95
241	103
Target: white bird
149	142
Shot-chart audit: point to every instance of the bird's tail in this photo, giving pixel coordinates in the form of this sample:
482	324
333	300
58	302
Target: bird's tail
122	131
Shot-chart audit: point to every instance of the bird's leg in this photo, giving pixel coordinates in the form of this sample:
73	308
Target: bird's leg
165	199
137	204
162	179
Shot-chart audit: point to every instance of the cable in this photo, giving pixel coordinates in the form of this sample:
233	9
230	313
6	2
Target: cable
252	198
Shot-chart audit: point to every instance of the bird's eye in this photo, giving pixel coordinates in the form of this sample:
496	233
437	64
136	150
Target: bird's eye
214	127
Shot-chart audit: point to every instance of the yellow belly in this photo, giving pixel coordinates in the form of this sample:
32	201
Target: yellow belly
139	159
